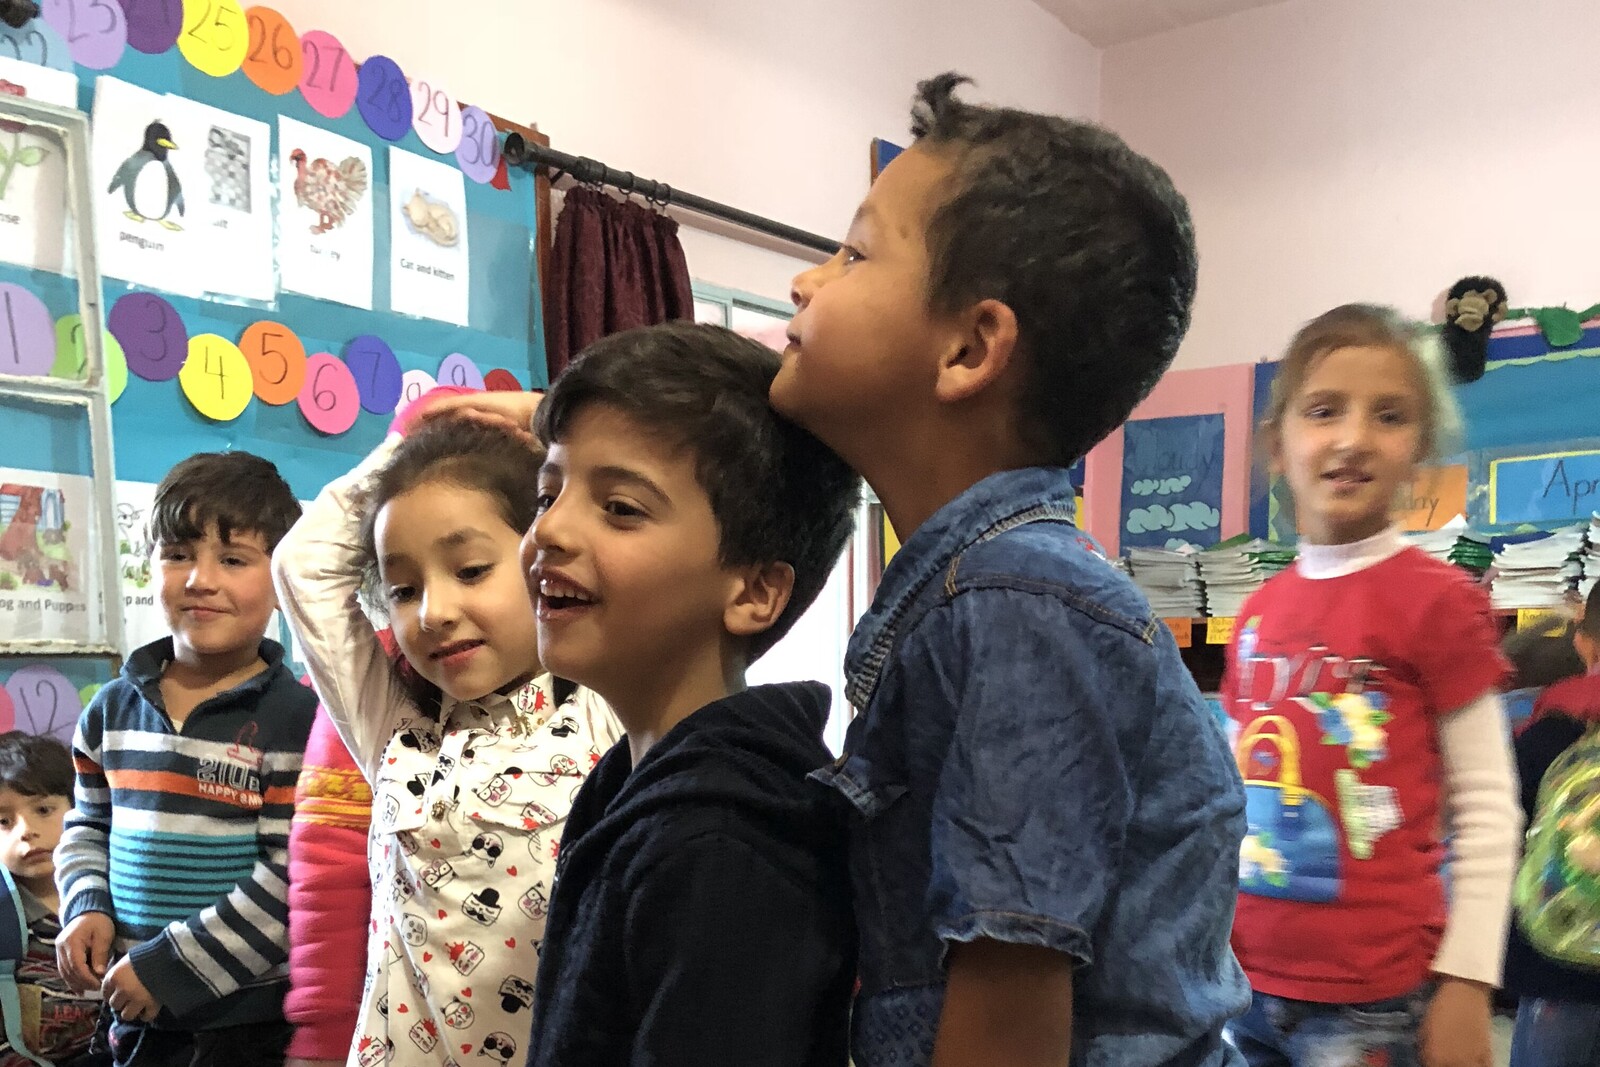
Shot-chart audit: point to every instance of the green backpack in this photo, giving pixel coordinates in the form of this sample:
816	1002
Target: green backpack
1557	892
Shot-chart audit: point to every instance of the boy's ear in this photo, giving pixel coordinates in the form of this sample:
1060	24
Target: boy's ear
1588	648
988	340
762	592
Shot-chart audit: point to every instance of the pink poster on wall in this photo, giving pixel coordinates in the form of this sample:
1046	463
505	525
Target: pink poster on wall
1225	391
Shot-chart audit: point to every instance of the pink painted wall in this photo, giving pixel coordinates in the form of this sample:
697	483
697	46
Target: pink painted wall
1206	391
1337	150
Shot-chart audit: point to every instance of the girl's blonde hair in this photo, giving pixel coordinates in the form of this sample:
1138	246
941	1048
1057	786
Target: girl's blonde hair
1375	326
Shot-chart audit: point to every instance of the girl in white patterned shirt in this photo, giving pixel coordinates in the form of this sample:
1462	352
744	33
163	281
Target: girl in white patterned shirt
472	758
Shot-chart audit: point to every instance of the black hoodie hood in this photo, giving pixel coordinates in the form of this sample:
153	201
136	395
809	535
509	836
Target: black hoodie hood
701	911
746	755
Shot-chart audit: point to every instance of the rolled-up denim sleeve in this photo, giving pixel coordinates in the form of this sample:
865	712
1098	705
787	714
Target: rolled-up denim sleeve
1034	797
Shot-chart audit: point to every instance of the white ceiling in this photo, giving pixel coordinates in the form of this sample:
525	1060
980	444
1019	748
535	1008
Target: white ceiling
1107	22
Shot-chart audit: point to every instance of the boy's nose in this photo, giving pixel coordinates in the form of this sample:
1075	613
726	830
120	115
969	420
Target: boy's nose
805	286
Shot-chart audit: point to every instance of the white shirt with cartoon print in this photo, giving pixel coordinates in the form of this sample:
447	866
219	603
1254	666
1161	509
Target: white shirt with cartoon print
467	812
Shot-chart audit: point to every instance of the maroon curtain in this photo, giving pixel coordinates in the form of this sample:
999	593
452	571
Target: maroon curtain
614	265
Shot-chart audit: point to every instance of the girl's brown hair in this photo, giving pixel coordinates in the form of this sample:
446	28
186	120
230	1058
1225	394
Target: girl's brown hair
1369	326
462	452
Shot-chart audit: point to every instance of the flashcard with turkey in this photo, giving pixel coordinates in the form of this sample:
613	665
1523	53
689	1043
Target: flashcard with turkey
325	227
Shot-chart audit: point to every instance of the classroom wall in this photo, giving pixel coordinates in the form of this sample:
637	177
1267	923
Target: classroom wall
762	106
1365	149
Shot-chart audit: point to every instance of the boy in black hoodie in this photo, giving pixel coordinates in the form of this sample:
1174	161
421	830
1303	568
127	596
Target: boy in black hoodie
701	908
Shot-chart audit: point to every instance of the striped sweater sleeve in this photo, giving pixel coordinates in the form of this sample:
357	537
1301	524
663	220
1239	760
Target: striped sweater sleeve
83	858
243	937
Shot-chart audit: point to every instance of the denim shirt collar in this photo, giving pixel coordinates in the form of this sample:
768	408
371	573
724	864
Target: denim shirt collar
992	506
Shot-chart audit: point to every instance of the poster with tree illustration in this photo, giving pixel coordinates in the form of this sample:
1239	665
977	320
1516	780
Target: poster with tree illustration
33	170
48	583
1172	481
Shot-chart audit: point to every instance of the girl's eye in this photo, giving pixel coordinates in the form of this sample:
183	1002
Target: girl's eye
1394	418
620	510
400	594
473	573
542	504
851	255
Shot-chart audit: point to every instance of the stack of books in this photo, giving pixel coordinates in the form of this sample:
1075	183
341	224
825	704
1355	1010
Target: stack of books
1591	560
1170	580
1538	570
1233	569
1454	543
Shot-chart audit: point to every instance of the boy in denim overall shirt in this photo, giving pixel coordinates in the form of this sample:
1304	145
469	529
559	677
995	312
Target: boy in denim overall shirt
1045	857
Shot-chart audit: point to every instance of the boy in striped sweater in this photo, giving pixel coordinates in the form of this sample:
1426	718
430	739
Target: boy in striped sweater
175	858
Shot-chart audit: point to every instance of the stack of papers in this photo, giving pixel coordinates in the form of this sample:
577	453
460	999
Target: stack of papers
1237	567
1169	579
1591	560
1454	543
1537	570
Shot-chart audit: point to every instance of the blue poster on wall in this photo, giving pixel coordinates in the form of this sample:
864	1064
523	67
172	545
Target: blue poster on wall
1172	481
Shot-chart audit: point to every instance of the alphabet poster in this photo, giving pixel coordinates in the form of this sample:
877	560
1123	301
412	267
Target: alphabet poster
1172	481
325	203
33	171
428	273
48	581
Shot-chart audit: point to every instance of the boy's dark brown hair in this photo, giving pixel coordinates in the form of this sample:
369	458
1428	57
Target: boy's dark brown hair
238	491
1085	240
35	765
778	494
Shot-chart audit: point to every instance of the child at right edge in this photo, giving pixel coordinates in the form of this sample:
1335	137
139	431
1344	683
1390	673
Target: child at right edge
1046	824
1363	686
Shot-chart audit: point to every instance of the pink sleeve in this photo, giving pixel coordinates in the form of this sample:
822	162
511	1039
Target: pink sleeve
408	416
330	899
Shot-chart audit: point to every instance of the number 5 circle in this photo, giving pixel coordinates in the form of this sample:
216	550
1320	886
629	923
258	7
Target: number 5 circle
330	399
216	377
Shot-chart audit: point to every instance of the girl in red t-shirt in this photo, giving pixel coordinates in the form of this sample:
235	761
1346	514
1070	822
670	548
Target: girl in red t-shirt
1362	691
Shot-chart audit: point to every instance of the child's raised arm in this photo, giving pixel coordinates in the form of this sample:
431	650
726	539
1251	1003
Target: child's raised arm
317	570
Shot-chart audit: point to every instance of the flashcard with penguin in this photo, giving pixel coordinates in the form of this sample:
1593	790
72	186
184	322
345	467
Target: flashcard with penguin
142	207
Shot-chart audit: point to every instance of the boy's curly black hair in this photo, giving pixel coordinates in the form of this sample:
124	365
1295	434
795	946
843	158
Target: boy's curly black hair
1085	240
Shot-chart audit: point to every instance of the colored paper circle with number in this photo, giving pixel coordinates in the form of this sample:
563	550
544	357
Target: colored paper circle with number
273	60
153	25
36	42
72	357
216	377
151	334
277	361
501	380
330	400
8	711
377	373
44	702
215	37
458	370
414	385
435	116
478	154
96	30
87	693
328	74
384	98
27	332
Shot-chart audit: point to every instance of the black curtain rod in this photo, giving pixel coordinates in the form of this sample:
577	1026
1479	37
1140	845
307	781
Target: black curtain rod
520	152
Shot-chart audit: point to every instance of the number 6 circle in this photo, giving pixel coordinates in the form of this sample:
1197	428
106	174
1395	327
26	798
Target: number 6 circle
330	399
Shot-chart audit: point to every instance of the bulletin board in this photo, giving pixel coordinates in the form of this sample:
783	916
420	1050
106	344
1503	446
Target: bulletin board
154	424
219	54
